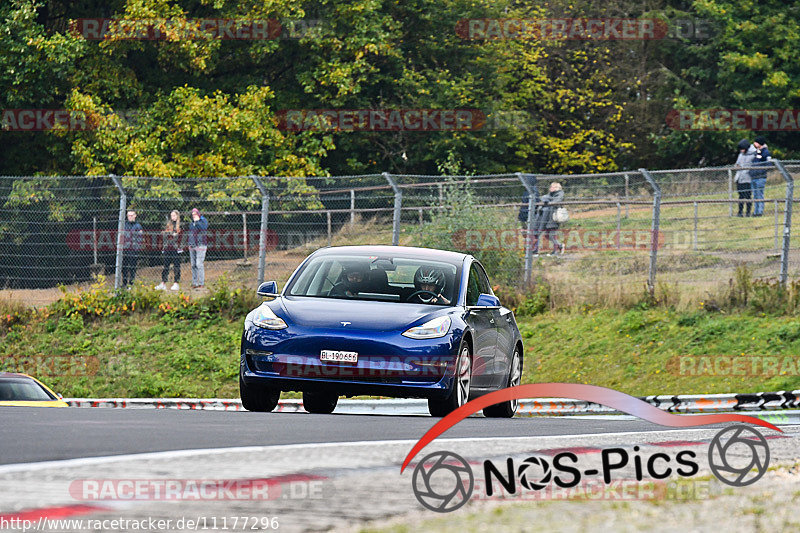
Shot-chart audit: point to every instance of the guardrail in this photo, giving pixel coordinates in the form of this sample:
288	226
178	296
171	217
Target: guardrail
760	401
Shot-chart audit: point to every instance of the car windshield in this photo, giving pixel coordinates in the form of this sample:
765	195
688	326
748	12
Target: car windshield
22	390
381	278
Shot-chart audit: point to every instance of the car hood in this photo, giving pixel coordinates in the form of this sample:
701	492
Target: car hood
362	315
31	403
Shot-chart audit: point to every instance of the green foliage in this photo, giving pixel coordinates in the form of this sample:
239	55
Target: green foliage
99	301
202	106
447	228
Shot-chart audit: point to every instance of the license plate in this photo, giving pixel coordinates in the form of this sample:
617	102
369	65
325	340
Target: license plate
336	356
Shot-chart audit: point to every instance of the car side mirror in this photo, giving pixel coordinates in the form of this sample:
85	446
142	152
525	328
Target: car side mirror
268	288
488	300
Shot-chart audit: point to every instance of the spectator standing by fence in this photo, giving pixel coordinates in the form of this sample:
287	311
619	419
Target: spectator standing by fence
132	240
198	245
759	175
544	222
743	180
171	251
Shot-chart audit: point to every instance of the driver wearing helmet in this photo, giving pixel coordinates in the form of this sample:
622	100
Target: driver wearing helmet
354	278
429	283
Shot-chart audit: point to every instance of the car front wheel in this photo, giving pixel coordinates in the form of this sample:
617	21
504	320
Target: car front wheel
258	397
460	393
322	403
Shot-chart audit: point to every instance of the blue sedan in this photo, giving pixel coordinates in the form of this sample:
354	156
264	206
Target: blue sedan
381	320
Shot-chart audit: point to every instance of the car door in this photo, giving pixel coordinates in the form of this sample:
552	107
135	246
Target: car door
483	322
503	323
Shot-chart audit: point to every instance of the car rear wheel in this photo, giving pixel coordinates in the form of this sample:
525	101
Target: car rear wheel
460	393
322	403
258	397
509	408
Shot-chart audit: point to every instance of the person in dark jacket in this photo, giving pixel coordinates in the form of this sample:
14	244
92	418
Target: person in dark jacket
544	222
198	245
759	175
171	251
132	240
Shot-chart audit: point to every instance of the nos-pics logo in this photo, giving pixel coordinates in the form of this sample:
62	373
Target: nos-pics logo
444	481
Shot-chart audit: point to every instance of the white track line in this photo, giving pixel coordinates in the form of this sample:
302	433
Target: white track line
172	454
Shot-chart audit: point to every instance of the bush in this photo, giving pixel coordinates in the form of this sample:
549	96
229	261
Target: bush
525	303
760	295
459	214
99	301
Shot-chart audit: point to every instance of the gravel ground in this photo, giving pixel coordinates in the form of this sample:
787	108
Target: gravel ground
358	486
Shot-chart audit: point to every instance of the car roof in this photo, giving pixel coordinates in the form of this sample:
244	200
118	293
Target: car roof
9	375
400	251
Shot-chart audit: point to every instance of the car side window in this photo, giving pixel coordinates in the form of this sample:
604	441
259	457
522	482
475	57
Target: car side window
483	279
473	286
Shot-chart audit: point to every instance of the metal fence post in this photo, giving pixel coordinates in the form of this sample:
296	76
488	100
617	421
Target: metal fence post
730	192
787	221
651	275
627	183
777	224
123	202
398	204
328	220
529	182
94	238
244	235
619	225
262	239
352	207
694	240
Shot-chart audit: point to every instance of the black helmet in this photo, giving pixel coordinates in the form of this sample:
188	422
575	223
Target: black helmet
744	144
354	268
429	276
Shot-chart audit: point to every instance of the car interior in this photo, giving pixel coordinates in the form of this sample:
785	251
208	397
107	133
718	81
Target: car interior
386	279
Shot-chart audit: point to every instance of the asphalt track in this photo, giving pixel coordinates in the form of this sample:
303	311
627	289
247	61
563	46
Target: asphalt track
41	434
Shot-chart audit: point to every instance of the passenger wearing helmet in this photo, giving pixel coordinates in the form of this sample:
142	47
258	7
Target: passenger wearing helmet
353	280
429	283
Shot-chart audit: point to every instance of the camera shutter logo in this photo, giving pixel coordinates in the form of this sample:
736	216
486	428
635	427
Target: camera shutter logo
735	452
527	476
443	482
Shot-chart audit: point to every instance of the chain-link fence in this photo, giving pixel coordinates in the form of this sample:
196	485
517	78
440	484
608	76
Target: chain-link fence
627	232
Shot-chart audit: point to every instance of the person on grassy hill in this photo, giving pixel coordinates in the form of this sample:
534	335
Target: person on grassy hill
171	251
198	244
132	240
544	222
759	175
743	179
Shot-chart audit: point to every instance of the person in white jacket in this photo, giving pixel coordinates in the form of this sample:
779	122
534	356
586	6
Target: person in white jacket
743	178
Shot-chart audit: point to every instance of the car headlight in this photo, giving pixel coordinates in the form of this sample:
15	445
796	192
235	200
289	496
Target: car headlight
265	318
438	327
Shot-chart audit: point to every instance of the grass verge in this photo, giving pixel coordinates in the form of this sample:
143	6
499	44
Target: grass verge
193	351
